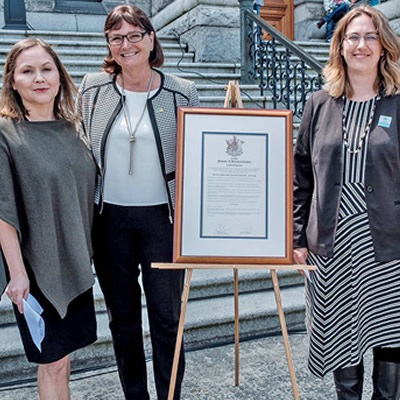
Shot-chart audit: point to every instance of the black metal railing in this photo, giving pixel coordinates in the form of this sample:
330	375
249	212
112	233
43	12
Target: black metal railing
281	68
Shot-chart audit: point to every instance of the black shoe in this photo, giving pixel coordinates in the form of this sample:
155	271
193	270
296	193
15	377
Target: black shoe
349	382
321	23
386	380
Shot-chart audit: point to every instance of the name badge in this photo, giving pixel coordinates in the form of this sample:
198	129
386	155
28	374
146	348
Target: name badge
385	121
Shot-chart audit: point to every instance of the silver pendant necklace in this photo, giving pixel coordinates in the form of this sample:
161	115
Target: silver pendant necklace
132	132
364	132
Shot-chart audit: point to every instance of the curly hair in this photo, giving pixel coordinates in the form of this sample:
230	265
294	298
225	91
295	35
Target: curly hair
335	73
136	17
11	104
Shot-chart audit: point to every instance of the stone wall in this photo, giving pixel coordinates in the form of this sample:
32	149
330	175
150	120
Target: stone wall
210	27
306	14
391	9
159	5
48	5
40	15
39	5
145	5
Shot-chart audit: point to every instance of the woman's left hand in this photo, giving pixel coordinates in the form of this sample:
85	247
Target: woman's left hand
300	257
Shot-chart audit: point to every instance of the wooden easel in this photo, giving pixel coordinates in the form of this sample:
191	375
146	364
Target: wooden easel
234	98
233	95
185	298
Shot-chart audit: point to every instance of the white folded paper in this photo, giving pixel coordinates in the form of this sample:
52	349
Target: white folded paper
307	274
32	312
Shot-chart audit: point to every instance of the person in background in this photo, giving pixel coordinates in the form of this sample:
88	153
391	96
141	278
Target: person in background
129	111
334	11
372	3
347	208
47	178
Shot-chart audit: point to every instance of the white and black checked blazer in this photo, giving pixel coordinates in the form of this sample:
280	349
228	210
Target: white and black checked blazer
100	102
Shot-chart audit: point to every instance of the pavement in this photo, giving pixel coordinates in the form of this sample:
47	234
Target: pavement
210	375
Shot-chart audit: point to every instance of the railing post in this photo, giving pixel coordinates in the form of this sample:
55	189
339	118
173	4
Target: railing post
15	15
244	42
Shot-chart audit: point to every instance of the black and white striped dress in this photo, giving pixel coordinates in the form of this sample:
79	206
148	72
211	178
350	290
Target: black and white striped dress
353	302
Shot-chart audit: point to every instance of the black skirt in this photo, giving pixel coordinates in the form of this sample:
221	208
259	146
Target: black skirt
62	335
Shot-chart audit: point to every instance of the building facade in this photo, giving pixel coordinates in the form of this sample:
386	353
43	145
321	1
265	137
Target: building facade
211	28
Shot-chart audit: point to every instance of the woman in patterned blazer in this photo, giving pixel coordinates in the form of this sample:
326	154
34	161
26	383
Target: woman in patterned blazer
347	208
129	112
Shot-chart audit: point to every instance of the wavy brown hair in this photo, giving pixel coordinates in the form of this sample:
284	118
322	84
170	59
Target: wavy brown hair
335	73
136	17
11	104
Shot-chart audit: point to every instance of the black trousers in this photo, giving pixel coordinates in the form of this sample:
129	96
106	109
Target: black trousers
124	239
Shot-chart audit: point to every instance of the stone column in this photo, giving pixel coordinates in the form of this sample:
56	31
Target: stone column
15	15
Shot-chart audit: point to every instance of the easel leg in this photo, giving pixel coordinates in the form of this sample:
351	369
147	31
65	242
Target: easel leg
179	336
284	333
236	290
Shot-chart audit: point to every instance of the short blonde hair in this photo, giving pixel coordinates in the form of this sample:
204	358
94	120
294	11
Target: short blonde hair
335	73
11	105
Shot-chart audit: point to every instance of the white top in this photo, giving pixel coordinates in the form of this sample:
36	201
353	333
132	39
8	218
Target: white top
146	186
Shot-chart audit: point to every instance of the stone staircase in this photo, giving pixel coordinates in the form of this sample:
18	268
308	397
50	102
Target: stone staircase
210	314
209	319
84	52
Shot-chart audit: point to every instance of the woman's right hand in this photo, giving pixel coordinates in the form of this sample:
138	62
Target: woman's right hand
18	289
300	257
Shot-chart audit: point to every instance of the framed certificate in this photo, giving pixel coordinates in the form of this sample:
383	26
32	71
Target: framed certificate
233	186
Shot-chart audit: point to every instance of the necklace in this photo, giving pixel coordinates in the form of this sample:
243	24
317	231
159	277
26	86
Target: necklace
364	132
132	132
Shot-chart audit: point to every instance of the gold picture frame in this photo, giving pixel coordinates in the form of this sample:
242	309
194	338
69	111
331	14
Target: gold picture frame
234	186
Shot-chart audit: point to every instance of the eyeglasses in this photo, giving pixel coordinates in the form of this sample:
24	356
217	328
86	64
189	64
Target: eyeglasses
354	38
131	37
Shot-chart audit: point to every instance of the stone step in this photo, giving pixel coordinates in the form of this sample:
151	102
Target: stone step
14	35
257	313
209	77
68	37
84	65
209	91
205	283
93	49
193	67
256	101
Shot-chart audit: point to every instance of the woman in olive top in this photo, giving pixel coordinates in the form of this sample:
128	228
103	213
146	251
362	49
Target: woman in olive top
47	178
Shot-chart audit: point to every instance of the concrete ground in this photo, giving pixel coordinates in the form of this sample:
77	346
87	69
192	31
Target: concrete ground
210	375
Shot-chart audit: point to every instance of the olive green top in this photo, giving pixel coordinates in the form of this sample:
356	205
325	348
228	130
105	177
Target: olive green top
47	178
